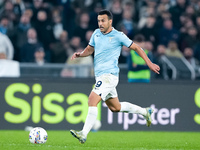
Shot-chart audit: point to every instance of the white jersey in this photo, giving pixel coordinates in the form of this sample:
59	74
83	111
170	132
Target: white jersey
107	49
6	46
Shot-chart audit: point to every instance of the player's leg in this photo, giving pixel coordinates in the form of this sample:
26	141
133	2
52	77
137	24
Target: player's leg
94	99
115	106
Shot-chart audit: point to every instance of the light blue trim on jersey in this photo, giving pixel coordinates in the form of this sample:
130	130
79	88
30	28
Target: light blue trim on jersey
107	49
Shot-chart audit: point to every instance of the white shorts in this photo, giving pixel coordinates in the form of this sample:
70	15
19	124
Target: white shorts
105	86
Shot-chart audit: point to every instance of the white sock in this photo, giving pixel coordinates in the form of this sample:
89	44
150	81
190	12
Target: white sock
90	120
132	108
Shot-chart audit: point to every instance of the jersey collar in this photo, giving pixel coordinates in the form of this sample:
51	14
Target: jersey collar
109	32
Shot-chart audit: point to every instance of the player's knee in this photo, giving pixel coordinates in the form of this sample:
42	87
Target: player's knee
93	99
92	102
115	109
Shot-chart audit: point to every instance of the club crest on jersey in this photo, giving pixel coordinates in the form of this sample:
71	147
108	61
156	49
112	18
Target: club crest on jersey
110	38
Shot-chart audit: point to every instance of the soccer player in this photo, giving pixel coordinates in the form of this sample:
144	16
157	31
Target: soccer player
106	43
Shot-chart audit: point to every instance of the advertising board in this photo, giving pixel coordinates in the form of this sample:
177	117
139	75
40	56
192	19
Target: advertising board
62	105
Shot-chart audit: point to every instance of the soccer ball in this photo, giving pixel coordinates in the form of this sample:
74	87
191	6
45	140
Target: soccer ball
96	126
38	135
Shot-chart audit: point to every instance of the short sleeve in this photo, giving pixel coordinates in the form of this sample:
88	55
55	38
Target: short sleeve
91	42
125	40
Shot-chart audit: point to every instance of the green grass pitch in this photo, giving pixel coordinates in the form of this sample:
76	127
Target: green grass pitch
103	140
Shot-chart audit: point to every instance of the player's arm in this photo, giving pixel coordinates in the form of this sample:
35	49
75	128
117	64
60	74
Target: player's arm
155	68
86	52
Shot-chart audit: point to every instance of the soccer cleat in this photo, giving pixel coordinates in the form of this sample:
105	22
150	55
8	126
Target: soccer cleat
82	139
148	116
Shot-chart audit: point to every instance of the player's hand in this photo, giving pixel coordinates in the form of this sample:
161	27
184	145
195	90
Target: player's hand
75	55
155	68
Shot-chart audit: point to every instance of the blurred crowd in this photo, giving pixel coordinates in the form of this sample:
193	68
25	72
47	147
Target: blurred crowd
51	31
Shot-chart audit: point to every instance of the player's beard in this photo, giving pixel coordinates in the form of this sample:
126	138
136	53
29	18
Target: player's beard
104	30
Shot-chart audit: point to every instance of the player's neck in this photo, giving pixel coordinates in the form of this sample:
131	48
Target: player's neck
108	31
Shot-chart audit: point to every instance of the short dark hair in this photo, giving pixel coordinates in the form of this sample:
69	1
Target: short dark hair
106	12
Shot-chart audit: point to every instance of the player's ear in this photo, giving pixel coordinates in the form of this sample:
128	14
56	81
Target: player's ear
110	21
